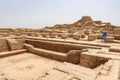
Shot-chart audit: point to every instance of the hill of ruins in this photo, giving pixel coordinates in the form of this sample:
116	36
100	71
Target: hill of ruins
86	24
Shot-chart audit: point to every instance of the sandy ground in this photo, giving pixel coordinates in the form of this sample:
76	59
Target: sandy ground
25	66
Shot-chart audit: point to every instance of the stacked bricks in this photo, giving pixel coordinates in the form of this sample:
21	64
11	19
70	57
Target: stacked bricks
109	39
91	61
3	45
114	49
117	37
14	44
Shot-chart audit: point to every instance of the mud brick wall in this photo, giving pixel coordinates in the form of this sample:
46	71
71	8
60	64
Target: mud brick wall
3	45
116	31
114	49
55	46
73	56
117	37
14	44
91	61
109	39
46	53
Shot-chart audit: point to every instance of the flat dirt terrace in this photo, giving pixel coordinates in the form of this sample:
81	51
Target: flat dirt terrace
25	66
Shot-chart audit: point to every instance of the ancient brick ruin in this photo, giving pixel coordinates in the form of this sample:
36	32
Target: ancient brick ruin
62	52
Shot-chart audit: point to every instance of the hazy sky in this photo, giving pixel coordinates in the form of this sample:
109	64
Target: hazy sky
40	13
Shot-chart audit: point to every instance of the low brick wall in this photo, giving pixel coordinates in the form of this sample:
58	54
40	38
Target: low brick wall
109	39
46	53
10	53
55	46
117	37
91	61
114	49
73	56
14	44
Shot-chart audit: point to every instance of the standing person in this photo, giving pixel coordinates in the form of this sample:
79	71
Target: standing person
104	35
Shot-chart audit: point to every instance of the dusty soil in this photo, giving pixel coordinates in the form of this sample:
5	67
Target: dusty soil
25	66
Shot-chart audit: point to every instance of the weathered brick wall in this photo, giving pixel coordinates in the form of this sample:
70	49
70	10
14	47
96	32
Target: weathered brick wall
91	61
109	39
114	49
14	44
46	53
55	46
3	45
116	31
73	56
117	37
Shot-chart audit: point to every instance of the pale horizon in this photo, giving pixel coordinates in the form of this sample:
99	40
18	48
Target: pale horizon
41	13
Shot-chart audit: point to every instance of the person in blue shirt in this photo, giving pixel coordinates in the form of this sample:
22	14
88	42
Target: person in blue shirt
104	35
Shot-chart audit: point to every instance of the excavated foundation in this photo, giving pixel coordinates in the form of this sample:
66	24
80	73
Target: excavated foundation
64	60
64	52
